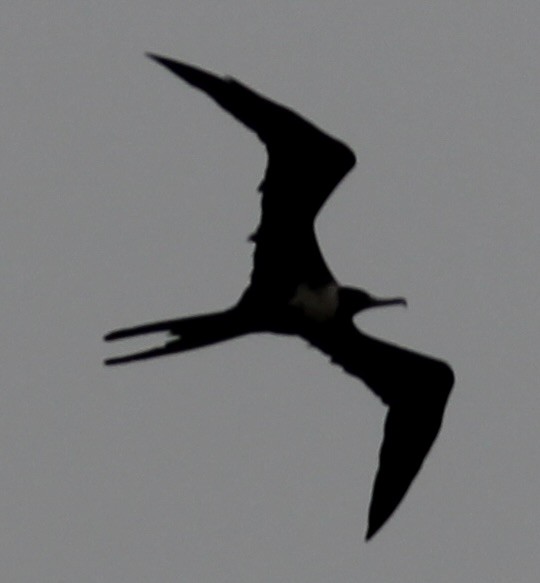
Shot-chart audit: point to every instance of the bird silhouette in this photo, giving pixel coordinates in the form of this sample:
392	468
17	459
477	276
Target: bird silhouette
293	292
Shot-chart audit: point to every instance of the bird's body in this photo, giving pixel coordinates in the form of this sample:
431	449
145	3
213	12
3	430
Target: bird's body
319	304
293	292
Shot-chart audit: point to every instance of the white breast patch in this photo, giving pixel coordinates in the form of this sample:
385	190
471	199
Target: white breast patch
319	303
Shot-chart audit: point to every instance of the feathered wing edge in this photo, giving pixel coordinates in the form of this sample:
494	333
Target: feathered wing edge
409	433
415	388
305	164
302	157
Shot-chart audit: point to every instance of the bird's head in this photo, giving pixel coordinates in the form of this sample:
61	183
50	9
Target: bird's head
352	301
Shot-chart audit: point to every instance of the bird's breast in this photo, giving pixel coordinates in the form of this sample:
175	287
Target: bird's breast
317	303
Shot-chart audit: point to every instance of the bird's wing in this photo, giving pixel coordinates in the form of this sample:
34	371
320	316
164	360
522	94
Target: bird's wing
415	388
304	162
304	166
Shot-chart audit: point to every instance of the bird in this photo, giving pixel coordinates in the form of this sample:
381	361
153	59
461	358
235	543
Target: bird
293	292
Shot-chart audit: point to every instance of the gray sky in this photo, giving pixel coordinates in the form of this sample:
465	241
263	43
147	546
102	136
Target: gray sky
127	197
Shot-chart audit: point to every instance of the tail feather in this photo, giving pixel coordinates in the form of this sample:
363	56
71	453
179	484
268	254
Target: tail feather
165	326
190	333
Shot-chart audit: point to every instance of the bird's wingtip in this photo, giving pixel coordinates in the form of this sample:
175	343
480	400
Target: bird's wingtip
155	57
371	532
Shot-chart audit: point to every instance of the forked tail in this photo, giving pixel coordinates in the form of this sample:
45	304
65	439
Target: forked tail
188	333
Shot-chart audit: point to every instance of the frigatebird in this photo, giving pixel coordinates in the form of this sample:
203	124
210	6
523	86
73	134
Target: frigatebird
293	292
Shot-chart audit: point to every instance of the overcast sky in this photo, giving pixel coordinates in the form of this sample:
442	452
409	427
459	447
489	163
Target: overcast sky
127	197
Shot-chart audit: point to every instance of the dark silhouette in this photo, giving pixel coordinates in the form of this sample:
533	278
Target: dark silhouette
292	291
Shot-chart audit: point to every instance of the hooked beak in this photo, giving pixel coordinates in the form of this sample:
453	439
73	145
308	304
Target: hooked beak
380	302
